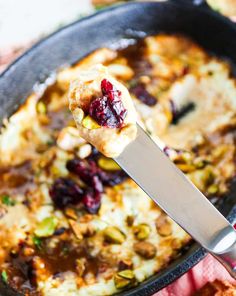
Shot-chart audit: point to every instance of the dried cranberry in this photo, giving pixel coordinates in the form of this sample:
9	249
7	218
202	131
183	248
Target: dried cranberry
106	87
109	110
90	173
64	192
86	170
92	201
94	178
143	95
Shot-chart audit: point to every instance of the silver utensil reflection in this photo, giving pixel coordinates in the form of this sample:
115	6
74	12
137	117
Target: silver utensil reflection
154	172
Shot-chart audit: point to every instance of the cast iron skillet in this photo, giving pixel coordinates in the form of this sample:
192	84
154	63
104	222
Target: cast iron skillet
214	32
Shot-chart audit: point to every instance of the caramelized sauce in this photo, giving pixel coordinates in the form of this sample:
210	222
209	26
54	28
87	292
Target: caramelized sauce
17	179
63	258
135	55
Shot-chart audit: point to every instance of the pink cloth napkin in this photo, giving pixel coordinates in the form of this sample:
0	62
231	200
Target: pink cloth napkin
205	271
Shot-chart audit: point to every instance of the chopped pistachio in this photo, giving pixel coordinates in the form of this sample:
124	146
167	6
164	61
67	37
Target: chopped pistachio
46	227
121	282
142	231
6	200
186	168
41	108
219	151
127	274
89	123
202	178
145	249
113	234
130	220
145	79
163	225
76	229
186	156
4	276
200	163
176	244
108	164
212	189
71	213
124	278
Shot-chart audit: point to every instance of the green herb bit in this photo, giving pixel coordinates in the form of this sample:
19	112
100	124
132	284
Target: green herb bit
6	200
4	276
37	242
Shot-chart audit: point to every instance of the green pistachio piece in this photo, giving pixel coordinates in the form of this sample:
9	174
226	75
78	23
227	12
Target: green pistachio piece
142	231
124	278
41	108
108	164
163	225
202	178
6	200
113	234
120	282
89	123
213	189
145	249
130	220
4	276
186	168
127	274
187	156
200	163
46	227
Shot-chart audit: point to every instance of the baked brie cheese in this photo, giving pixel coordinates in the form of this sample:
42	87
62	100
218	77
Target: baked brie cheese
71	221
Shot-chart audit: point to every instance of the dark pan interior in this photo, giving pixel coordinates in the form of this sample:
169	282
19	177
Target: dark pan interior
214	32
